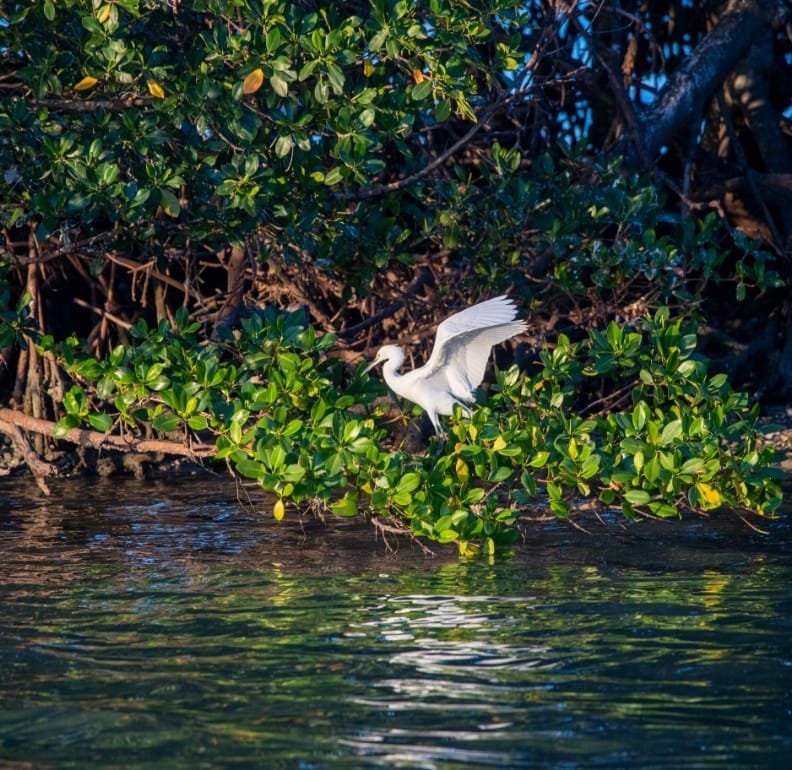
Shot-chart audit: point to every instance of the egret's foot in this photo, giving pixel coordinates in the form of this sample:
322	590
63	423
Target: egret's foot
440	440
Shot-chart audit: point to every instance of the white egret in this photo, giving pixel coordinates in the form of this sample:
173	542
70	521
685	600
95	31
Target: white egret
459	357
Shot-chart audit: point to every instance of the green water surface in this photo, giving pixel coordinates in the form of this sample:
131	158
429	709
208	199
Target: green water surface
154	625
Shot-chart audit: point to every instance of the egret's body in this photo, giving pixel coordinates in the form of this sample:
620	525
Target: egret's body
458	360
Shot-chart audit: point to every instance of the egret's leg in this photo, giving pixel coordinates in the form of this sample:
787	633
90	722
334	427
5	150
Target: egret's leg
440	440
435	420
440	436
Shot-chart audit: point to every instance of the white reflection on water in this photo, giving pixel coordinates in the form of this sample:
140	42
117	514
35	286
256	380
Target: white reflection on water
457	691
427	755
456	640
409	616
448	658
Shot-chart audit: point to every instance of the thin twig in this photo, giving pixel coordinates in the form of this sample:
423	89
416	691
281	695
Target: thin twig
103	313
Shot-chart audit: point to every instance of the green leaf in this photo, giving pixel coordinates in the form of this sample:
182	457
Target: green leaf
422	90
250	468
607	496
614	334
500	474
409	483
671	432
198	422
336	77
293	427
475	495
279	84
539	460
367	117
159	382
447	536
74	400
293	473
692	466
166	422
378	39
283	146
443	110
637	496
65	424
277	457
347	506
640	415
664	510
334	176
170	203
273	39
100	422
402	499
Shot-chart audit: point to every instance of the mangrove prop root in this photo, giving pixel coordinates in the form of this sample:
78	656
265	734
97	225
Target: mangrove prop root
12	423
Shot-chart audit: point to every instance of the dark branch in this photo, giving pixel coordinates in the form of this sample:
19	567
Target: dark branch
681	102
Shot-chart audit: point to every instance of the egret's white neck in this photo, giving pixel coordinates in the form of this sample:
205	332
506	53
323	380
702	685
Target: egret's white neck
395	360
391	366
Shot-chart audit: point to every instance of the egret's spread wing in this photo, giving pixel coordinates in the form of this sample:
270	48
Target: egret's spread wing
463	343
493	312
479	346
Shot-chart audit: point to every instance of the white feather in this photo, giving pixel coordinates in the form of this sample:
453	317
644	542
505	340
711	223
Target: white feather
458	361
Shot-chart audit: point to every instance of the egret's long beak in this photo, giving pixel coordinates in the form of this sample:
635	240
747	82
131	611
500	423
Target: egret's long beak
372	365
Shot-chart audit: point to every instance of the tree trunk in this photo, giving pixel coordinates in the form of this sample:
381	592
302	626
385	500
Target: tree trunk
681	102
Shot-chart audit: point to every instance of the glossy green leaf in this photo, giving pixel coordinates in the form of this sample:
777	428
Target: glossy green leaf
671	433
166	422
637	496
347	506
170	203
64	425
100	422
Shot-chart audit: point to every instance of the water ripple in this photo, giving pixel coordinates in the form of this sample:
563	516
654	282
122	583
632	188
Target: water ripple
203	637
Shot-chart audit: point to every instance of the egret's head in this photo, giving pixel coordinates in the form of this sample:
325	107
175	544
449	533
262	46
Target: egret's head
387	353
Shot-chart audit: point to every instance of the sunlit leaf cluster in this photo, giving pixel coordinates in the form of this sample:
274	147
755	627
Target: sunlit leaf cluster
226	117
667	438
142	139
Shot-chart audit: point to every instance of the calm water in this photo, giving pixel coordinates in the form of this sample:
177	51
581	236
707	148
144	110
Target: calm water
170	626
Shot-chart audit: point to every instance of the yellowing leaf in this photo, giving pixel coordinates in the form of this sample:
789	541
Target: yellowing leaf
155	89
463	474
709	494
253	81
86	83
278	510
418	76
104	14
368	68
466	549
500	443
